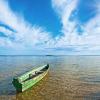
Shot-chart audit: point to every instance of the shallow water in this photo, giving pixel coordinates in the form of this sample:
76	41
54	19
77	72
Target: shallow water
69	77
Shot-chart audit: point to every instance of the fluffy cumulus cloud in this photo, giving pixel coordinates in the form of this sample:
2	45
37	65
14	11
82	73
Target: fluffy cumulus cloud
76	38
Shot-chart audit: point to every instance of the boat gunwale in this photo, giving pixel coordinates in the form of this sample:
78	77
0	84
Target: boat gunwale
35	76
26	75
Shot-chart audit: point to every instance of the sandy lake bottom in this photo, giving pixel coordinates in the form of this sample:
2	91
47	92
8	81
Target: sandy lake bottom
69	77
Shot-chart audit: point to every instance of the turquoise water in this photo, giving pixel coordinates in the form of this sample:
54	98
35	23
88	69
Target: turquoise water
69	77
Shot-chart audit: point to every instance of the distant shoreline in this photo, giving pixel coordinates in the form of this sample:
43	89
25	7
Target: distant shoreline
49	55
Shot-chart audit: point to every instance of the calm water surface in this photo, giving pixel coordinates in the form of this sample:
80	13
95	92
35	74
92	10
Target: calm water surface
69	77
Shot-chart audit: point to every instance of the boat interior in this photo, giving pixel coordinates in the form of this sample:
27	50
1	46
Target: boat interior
36	73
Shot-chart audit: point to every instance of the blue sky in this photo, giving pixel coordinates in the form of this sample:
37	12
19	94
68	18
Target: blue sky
62	27
39	13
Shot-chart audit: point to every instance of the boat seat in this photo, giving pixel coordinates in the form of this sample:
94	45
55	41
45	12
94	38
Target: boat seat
38	72
33	75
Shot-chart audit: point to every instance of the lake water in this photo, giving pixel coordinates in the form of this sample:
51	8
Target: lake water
69	77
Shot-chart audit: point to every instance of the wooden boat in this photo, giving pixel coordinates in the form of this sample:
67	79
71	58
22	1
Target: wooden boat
30	78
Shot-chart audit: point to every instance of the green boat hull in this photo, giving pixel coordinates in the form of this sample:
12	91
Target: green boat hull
29	79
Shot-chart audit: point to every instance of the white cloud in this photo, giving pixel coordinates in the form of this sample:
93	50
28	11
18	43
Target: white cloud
31	37
6	31
89	40
26	35
65	10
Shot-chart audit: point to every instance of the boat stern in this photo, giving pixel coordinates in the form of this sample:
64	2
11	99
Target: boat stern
17	85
